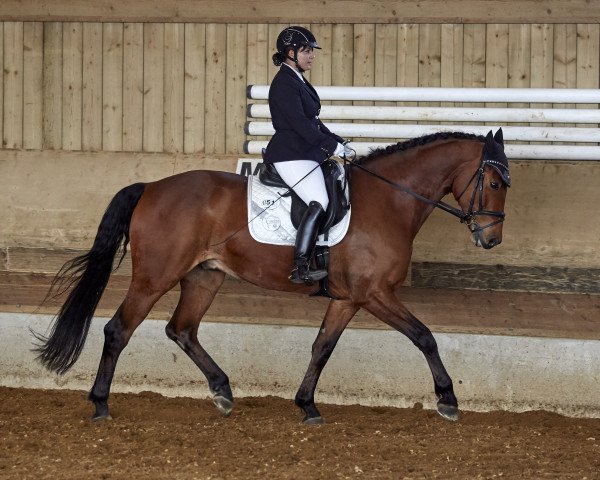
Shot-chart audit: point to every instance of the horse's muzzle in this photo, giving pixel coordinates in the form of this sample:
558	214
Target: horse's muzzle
480	241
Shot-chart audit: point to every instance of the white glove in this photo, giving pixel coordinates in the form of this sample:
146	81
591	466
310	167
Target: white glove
339	150
348	151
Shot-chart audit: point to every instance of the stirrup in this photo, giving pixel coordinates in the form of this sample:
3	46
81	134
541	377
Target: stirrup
306	276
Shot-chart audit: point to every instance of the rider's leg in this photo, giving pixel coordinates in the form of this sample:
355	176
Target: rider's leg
306	179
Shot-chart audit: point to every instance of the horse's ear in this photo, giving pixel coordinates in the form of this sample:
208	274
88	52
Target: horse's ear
489	138
499	137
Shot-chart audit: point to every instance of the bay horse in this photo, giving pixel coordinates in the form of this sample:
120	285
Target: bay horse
187	228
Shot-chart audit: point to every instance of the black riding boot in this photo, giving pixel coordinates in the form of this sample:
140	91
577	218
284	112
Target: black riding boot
306	238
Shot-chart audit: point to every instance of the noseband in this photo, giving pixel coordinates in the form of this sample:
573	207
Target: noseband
468	218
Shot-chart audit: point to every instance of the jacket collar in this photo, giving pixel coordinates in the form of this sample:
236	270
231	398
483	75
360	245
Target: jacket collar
287	70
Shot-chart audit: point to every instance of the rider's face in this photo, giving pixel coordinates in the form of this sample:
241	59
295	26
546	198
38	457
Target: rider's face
305	58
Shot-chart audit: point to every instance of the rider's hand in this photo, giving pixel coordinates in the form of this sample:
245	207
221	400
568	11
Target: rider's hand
339	150
348	150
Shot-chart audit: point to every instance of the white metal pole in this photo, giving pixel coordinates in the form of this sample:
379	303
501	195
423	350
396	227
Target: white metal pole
447	114
433	94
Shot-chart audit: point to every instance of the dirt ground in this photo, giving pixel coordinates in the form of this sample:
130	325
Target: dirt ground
48	434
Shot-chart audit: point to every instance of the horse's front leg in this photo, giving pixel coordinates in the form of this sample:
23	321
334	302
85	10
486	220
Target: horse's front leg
390	310
339	313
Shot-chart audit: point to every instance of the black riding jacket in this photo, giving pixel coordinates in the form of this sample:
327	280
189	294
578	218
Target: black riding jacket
299	134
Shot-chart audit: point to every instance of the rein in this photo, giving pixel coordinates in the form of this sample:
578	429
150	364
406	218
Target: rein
469	217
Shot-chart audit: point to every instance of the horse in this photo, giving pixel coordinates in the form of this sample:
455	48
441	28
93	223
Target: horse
188	229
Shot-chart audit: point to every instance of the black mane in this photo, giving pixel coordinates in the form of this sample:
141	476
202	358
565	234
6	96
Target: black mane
418	141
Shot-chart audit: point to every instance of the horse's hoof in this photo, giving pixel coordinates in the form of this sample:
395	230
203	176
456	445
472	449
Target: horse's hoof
98	418
449	412
314	421
224	405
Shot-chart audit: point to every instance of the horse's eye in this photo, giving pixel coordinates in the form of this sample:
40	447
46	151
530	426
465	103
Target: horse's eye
495	185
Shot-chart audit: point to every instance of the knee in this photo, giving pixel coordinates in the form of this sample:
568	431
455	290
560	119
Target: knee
426	343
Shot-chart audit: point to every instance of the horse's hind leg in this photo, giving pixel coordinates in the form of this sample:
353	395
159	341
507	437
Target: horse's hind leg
390	310
198	289
339	313
117	332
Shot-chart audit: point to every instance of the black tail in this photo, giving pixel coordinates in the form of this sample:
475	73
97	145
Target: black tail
89	273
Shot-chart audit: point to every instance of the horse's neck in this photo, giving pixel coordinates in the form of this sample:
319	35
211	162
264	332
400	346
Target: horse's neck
430	170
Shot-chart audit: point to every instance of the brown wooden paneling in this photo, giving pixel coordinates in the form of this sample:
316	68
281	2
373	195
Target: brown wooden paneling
195	70
33	100
173	87
13	85
72	85
52	126
133	87
312	11
112	87
153	87
442	310
235	87
91	132
114	109
215	103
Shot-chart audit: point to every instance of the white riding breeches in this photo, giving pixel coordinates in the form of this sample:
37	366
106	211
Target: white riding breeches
306	179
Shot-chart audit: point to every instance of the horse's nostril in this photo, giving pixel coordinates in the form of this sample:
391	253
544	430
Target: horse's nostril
492	242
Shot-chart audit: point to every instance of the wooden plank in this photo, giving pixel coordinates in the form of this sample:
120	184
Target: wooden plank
91	112
565	56
430	37
519	60
364	60
443	310
474	57
259	55
259	59
588	48
542	60
72	85
33	99
386	65
321	72
451	63
364	57
340	11
133	87
408	59
235	88
386	55
174	87
52	112
195	59
496	65
215	100
13	85
153	87
112	87
542	55
342	47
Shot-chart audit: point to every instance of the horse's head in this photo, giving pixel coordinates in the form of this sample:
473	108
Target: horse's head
481	195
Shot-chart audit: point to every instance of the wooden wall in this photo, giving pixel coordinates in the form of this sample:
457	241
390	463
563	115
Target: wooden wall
180	87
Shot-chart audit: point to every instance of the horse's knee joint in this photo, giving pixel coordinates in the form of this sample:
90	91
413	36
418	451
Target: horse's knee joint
426	343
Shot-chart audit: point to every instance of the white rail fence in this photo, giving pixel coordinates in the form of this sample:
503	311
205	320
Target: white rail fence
582	129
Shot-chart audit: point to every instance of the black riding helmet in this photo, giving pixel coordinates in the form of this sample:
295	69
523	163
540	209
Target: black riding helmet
293	38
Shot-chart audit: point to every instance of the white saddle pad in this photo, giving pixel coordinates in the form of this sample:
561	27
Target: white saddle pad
269	218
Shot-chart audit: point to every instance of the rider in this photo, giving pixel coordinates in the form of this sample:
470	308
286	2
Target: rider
301	141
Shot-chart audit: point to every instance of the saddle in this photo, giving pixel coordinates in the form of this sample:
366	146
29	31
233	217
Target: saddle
338	204
337	209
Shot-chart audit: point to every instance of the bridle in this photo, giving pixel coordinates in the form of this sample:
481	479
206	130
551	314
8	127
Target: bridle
468	218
